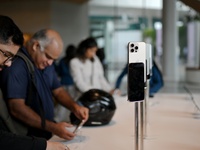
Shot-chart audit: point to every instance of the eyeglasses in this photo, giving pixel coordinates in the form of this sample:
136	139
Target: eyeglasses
10	56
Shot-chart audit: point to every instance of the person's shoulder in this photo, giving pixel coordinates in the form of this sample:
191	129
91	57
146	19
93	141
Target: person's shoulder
76	63
17	69
18	65
75	60
61	60
49	68
96	57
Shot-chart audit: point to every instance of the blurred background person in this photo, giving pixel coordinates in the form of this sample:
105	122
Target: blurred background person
101	55
63	70
87	70
121	76
156	80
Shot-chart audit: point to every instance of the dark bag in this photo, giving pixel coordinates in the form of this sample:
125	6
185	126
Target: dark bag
12	125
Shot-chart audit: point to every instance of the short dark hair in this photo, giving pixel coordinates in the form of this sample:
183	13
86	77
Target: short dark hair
70	52
84	45
9	31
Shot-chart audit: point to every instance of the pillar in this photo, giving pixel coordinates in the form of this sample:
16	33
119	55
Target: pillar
170	41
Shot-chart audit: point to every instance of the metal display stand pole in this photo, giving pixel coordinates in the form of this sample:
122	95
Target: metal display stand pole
136	126
145	117
146	109
141	124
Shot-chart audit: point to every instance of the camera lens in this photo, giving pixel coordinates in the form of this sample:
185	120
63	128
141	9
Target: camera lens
132	50
132	45
136	47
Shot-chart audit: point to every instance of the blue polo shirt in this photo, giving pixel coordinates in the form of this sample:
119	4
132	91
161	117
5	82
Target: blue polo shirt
15	81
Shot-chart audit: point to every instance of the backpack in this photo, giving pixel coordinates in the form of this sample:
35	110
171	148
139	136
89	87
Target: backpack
13	125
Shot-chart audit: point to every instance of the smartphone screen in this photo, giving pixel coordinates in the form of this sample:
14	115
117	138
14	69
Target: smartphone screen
136	82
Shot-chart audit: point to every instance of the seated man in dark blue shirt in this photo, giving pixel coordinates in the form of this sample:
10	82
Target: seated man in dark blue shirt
42	49
11	38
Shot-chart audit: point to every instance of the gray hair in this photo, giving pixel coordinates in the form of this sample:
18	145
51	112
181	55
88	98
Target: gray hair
42	38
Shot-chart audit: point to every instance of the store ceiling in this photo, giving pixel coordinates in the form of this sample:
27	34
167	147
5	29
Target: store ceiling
195	4
77	1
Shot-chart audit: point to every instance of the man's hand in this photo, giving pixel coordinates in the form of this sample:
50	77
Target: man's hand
55	146
66	100
60	129
81	112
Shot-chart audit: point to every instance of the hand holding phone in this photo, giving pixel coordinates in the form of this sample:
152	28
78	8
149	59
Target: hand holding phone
79	126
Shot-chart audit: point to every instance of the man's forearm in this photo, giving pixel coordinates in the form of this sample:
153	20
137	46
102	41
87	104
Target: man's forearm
24	113
64	98
28	116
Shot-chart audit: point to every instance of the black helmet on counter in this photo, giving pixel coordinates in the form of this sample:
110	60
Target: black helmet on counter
101	107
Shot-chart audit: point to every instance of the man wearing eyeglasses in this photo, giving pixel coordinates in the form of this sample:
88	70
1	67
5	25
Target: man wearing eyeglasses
9	58
11	39
42	49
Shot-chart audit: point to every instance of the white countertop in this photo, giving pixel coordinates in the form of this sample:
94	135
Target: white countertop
117	135
173	124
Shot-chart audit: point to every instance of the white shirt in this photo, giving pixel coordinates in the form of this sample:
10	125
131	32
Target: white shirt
89	75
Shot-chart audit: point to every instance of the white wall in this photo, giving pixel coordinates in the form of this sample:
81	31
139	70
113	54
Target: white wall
71	20
29	16
120	41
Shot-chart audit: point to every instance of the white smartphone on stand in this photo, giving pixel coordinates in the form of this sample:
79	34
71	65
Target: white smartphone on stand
137	71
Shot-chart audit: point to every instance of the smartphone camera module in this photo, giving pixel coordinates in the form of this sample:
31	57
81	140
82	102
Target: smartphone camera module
132	45
133	48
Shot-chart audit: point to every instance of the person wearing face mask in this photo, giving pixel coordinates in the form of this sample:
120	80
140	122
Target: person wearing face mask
11	39
87	70
42	49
